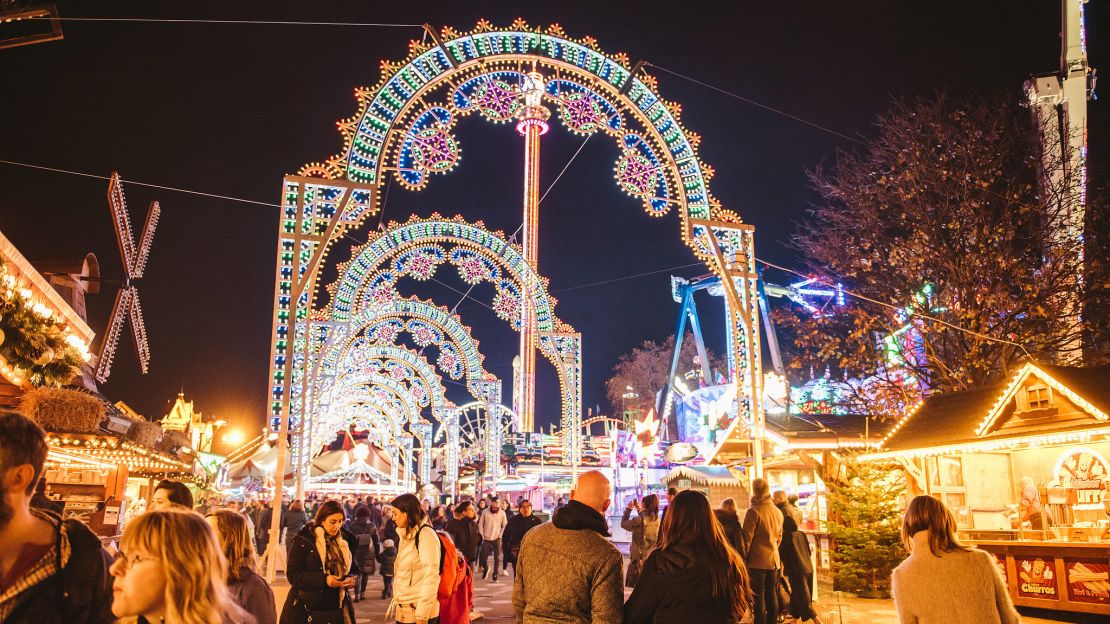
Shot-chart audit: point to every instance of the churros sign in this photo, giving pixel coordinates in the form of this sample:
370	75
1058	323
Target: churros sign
1037	579
1088	580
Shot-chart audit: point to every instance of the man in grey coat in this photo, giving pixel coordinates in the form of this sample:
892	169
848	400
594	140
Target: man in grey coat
568	571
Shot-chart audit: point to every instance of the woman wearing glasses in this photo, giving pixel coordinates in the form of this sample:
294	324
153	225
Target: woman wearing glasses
170	570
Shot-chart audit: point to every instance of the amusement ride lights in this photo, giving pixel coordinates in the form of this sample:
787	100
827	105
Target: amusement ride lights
533	124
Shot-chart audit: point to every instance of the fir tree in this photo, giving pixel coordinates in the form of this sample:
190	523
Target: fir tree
865	524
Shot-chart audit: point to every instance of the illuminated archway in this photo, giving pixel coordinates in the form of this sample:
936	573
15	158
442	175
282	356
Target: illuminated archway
428	325
418	248
403	125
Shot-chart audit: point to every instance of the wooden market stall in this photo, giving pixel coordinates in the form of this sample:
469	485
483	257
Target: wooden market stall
1023	466
102	466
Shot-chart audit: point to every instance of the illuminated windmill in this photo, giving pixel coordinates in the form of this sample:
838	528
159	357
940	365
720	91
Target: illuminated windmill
127	299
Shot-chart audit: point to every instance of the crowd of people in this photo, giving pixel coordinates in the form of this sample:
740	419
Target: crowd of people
186	563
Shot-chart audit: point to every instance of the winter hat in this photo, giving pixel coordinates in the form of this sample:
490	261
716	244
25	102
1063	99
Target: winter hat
387	543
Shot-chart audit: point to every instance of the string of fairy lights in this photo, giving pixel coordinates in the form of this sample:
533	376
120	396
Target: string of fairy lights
558	178
466	295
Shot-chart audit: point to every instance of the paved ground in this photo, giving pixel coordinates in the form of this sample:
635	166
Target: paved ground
494	601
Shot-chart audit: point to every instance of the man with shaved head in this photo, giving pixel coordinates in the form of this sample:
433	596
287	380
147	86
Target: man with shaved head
567	570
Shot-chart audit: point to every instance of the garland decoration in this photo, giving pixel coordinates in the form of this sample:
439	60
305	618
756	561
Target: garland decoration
31	341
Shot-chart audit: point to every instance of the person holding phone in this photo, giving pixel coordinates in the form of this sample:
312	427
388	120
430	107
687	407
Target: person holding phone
318	571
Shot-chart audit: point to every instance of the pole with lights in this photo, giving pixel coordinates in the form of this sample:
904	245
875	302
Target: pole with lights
532	125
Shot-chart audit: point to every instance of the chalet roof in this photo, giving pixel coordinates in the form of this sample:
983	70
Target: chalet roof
944	418
960	417
1092	384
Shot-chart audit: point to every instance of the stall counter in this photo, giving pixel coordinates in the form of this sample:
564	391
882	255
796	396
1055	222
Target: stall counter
1067	576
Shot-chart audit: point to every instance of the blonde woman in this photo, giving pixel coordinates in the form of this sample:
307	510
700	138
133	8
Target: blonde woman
944	580
170	569
248	589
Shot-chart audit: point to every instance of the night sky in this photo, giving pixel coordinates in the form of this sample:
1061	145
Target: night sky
229	109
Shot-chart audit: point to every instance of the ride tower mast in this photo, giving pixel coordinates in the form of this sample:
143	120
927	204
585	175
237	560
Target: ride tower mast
532	125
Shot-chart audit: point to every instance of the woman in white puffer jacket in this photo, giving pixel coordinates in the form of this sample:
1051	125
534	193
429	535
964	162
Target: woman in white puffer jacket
416	571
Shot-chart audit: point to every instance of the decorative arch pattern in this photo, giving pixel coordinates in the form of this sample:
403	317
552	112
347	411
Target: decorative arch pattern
404	124
428	325
418	247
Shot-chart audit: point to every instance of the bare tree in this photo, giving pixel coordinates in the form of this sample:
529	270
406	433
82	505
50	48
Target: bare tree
645	370
953	198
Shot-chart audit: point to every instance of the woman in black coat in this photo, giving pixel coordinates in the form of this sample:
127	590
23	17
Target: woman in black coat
730	522
318	570
694	575
366	548
796	564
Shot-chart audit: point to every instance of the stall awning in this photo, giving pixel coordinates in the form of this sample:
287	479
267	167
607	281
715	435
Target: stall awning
704	475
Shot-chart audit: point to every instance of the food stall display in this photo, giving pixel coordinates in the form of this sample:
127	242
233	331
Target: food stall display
101	463
1023	466
105	479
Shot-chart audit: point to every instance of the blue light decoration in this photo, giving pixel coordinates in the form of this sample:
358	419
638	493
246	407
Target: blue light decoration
820	395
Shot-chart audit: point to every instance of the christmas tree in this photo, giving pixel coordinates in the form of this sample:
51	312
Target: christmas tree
866	523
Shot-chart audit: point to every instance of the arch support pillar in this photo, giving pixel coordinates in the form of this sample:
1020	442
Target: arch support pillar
564	349
730	250
423	431
449	420
491	397
406	461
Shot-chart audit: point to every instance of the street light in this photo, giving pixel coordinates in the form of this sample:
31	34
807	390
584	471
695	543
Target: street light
233	437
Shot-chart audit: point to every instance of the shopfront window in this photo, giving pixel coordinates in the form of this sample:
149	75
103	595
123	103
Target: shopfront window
946	482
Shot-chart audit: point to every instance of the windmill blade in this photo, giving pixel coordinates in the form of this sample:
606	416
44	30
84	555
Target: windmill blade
144	242
124	238
120	311
138	328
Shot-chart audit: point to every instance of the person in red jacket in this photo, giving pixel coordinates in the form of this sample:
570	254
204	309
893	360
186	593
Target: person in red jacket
456	608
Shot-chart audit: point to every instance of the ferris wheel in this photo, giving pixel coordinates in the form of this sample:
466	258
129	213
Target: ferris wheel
472	425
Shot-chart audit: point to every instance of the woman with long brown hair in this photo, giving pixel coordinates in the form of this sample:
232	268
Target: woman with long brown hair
247	588
694	575
318	571
943	580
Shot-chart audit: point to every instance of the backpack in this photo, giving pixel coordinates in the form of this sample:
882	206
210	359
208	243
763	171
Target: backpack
651	537
449	577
